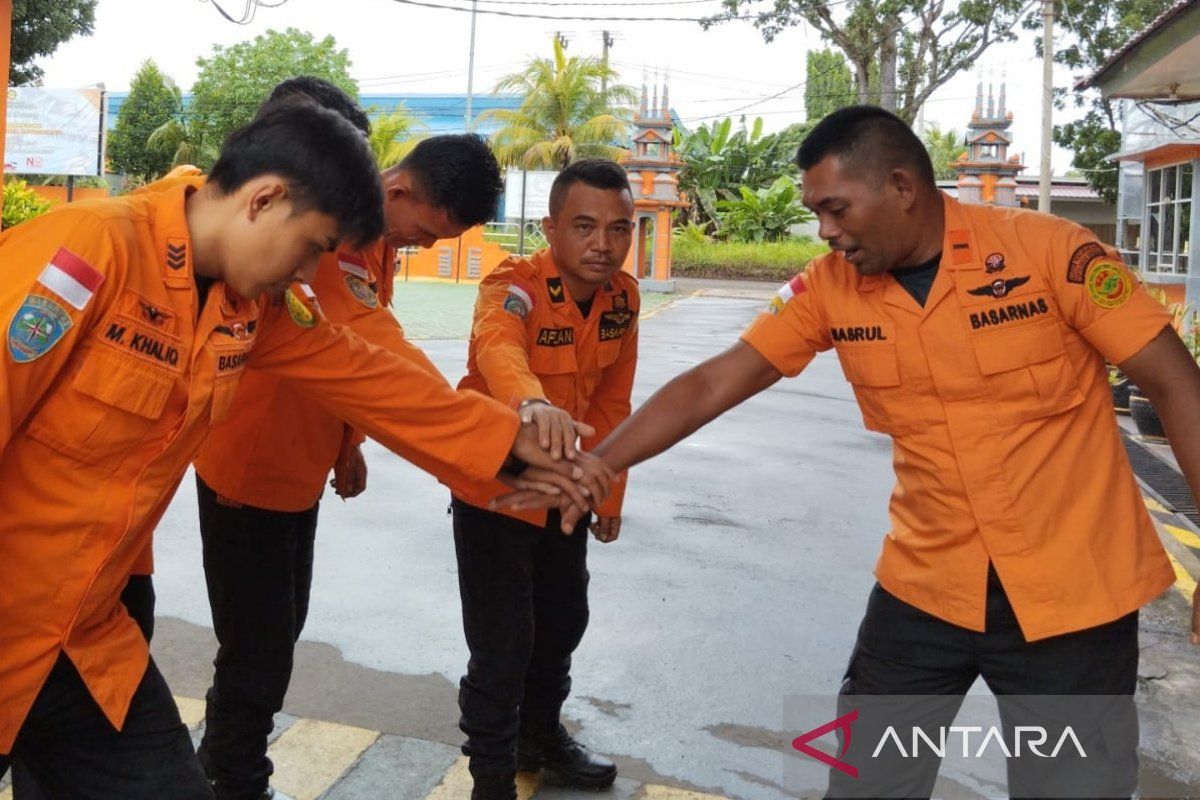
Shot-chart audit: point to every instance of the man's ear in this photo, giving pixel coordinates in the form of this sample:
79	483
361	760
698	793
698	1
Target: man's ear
905	187
397	184
264	194
548	227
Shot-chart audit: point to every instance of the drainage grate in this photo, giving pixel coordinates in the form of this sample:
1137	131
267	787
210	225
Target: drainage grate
1162	478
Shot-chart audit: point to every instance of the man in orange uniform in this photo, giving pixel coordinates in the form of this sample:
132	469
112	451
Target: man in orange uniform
129	323
555	335
261	473
976	337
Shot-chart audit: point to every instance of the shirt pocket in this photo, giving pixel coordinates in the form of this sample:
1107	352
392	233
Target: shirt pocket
224	391
114	402
874	373
1026	371
556	369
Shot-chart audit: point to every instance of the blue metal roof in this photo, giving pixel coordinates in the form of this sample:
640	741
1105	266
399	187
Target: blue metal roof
439	113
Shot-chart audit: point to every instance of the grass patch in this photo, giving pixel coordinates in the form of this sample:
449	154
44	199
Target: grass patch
775	261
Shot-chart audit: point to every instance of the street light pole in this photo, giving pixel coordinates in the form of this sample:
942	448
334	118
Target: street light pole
470	124
1047	103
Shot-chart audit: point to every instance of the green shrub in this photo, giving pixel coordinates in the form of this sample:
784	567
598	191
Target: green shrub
773	261
21	203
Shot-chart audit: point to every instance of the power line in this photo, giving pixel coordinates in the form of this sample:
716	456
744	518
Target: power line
524	15
247	12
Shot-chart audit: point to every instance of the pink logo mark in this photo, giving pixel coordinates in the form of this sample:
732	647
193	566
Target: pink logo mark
843	723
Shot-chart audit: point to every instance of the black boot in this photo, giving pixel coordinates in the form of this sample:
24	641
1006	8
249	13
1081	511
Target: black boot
559	753
494	787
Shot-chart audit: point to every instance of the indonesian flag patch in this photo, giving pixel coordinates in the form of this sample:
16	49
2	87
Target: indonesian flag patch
519	301
71	278
355	265
786	292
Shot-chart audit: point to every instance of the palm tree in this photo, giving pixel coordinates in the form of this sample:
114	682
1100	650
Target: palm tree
393	137
944	149
566	113
183	138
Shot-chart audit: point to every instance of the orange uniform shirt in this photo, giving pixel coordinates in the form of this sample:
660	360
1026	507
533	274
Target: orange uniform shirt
529	340
995	395
277	451
111	375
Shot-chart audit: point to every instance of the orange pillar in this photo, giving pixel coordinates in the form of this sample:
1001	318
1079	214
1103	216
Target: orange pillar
6	8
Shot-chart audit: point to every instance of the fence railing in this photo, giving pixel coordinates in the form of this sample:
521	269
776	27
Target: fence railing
509	236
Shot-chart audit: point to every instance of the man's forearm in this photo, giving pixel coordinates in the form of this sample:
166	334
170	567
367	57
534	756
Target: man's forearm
686	404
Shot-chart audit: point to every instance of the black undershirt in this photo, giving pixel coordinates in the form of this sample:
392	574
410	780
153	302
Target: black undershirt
918	280
585	306
203	284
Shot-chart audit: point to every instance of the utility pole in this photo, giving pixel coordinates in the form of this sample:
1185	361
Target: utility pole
607	42
470	123
6	13
1047	103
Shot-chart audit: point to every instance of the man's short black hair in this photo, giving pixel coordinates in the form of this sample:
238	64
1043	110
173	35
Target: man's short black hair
869	141
323	93
599	173
324	159
456	173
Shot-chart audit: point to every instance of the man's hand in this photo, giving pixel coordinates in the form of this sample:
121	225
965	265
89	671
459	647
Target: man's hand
538	487
606	529
556	430
349	472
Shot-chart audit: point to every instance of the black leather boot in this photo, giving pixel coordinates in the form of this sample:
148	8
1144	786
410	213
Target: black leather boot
494	787
558	752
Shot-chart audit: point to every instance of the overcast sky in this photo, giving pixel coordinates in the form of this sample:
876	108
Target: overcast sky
397	47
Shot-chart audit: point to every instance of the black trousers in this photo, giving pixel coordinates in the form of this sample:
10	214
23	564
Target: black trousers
258	567
138	599
71	751
930	664
524	601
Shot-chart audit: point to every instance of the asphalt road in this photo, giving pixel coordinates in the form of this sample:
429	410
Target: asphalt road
738	582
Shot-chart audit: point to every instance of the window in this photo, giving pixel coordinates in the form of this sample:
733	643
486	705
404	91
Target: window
1168	219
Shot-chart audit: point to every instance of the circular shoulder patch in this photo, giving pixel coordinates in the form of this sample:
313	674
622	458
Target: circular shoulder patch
362	291
1108	283
301	314
37	326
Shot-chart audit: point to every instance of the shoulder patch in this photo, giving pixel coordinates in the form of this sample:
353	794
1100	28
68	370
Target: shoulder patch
786	292
554	287
298	308
37	326
518	301
361	290
1084	255
1108	284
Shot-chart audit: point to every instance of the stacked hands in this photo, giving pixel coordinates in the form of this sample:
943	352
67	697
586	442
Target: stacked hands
557	474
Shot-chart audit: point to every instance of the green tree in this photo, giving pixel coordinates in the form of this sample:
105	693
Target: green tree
394	136
153	100
182	140
762	215
235	80
900	51
718	161
566	113
1095	30
39	27
828	84
944	149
